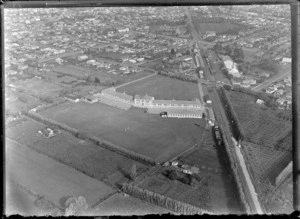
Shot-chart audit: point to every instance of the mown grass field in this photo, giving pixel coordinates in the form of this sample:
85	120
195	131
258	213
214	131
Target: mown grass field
260	124
147	134
163	88
49	178
86	157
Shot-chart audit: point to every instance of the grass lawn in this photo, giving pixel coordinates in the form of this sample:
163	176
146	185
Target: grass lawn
86	157
50	178
121	205
147	134
163	88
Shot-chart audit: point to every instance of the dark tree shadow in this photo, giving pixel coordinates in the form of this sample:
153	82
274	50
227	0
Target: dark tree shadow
124	173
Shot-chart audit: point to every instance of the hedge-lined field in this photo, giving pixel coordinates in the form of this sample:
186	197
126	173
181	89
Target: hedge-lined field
84	156
142	133
259	124
49	178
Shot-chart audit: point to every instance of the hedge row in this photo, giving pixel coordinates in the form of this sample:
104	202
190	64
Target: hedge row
160	200
47	106
235	124
105	144
49	121
236	175
180	77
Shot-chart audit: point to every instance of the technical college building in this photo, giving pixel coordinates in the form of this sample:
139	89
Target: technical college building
167	108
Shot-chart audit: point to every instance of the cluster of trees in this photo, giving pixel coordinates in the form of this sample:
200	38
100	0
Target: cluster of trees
182	177
237	130
234	51
161	200
76	206
179	77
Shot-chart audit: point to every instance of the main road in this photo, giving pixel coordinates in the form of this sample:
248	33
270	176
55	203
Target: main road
243	175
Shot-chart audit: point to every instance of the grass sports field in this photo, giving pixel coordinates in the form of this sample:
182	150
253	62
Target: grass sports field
150	135
49	178
163	88
86	157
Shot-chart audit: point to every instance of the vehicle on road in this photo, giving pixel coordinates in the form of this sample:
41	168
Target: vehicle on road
217	134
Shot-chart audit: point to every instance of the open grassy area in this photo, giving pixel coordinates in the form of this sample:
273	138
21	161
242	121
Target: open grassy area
147	134
260	124
39	87
127	205
49	178
86	157
16	101
163	88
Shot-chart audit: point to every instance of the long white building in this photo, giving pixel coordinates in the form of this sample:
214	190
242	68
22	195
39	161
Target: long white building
174	108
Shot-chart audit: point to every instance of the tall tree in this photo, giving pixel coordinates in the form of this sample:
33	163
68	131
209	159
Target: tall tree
133	172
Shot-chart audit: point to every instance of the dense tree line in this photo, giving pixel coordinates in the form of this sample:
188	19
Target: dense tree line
236	175
161	200
237	130
179	77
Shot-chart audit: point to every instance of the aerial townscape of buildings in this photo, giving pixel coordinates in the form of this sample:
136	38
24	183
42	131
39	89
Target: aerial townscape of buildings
148	110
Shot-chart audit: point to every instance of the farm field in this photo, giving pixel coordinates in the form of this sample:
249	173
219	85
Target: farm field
86	157
281	201
19	201
147	134
16	101
49	178
71	70
260	124
205	156
265	164
163	88
39	87
127	205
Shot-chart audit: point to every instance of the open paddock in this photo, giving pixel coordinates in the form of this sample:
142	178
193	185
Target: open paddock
39	87
163	88
47	177
84	156
147	134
